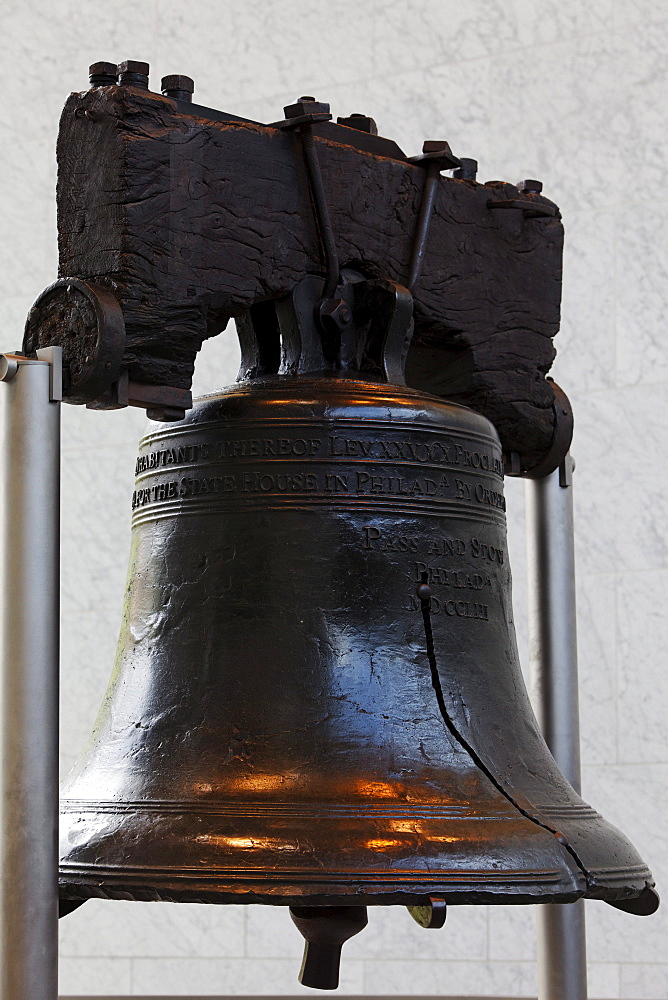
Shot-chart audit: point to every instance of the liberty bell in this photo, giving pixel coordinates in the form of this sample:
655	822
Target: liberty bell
317	700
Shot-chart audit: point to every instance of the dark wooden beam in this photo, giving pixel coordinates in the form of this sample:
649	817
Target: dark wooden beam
189	217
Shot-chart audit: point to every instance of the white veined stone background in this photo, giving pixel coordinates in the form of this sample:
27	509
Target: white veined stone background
572	92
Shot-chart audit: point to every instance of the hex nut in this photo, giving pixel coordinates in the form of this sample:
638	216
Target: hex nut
102	74
177	82
132	66
306	106
362	123
335	314
530	186
134	74
436	146
468	169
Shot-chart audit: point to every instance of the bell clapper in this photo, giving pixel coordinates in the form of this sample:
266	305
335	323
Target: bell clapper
326	929
430	915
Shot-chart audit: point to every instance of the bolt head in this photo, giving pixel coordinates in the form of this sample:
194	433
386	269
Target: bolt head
436	152
306	106
424	591
132	66
104	69
335	314
360	122
177	82
468	169
436	146
530	186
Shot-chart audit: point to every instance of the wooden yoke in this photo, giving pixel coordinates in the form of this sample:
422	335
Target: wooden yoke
174	218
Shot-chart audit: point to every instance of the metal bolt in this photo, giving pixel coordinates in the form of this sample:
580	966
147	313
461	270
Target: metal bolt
424	591
530	186
133	74
335	314
102	74
305	106
436	146
436	156
468	170
362	123
302	116
179	88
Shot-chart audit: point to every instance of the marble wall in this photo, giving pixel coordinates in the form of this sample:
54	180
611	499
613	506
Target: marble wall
571	92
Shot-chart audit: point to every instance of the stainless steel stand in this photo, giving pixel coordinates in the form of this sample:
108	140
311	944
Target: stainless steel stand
30	639
562	958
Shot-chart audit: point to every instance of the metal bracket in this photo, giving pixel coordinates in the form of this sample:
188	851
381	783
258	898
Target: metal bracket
54	357
161	402
566	469
384	316
299	121
283	336
554	457
531	209
436	156
9	365
92	357
51	356
329	311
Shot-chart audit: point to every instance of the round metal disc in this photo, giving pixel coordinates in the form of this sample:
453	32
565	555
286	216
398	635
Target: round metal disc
87	322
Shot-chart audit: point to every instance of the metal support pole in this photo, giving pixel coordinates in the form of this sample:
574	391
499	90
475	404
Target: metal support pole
30	639
562	957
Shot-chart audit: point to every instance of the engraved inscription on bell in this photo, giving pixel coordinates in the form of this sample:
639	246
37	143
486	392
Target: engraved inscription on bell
308	459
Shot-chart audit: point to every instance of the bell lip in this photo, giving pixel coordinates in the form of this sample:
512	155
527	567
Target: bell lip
325	894
644	905
117	886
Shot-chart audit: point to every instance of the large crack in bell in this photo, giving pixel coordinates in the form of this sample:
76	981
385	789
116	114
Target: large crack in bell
424	594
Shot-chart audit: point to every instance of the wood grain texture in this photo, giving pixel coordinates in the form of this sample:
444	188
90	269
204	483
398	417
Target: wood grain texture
189	221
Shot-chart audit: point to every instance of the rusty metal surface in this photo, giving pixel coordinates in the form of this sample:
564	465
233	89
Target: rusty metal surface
289	721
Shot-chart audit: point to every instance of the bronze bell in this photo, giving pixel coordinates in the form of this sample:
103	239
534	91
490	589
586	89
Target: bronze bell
317	700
